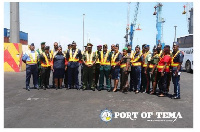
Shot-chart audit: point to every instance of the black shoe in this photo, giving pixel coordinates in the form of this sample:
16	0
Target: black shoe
136	92
93	89
44	88
56	88
177	97
47	87
28	88
82	89
53	86
109	90
37	87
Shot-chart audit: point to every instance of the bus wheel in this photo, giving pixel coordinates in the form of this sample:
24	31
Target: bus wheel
188	66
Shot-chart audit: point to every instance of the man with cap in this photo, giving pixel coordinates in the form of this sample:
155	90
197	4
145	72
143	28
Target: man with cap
73	57
153	69
145	75
89	59
115	66
53	53
82	65
31	58
45	60
147	59
176	62
105	58
163	71
136	61
40	51
97	64
125	70
142	70
130	54
66	69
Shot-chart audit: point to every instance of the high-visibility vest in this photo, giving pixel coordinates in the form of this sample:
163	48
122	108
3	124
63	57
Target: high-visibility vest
104	59
151	65
162	66
134	60
145	55
31	58
132	55
123	65
73	58
40	51
113	58
172	61
97	58
89	60
48	63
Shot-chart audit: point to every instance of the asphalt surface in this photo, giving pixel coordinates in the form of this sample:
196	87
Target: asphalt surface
81	109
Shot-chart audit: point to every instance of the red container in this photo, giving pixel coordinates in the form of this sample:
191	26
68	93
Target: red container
6	39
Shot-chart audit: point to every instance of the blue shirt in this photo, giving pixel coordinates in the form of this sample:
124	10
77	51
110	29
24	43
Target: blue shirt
59	61
178	59
26	56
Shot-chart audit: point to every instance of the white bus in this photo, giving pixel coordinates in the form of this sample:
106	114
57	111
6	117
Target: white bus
186	45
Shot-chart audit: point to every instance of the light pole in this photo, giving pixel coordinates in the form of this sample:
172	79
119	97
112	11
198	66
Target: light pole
175	34
83	31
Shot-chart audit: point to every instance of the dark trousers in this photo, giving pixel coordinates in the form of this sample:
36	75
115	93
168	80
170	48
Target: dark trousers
88	77
145	80
104	71
39	77
66	78
73	77
97	73
32	69
124	80
176	80
135	80
162	84
45	75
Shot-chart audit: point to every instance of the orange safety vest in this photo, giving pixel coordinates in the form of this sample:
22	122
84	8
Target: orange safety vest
172	61
48	62
113	58
104	60
73	58
89	60
31	58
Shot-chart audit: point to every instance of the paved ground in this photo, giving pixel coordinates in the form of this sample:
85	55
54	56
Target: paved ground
71	108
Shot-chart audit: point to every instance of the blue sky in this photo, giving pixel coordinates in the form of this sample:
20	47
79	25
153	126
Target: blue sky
104	22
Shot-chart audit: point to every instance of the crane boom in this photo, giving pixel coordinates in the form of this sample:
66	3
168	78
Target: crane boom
132	27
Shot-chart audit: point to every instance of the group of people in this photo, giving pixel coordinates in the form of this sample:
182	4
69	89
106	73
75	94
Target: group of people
140	65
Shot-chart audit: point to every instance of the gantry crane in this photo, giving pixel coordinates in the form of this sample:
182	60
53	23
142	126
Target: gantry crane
127	26
132	27
159	24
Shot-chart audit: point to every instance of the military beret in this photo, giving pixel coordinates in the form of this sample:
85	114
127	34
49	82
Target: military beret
144	45
89	45
154	47
43	43
137	46
99	45
175	43
32	44
46	48
69	45
117	45
125	48
73	43
105	45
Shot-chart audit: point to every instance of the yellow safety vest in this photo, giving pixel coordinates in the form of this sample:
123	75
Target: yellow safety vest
97	58
172	61
113	58
73	58
104	60
31	58
89	59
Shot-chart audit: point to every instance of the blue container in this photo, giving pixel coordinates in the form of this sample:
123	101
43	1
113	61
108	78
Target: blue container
26	36
20	34
5	32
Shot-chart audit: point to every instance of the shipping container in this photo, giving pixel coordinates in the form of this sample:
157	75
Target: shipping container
5	32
